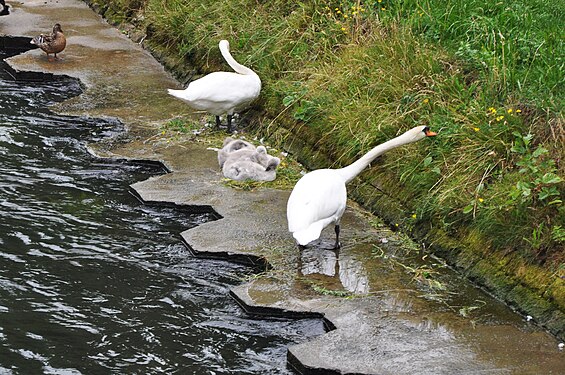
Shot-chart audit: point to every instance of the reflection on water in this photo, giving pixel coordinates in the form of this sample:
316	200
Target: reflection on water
321	261
91	281
350	271
353	275
426	318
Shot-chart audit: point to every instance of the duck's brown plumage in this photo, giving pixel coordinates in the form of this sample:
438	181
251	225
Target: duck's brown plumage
54	43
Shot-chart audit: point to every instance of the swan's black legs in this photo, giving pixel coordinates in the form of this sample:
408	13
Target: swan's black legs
229	124
218	123
337	244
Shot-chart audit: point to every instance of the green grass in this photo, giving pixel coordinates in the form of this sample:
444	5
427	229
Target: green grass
181	126
340	77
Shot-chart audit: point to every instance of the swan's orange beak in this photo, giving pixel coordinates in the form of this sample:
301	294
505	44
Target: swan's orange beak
429	133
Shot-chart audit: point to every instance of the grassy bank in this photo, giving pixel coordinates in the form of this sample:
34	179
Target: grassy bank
340	77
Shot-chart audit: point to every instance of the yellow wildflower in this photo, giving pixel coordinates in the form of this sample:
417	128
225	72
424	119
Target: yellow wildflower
492	110
413	216
345	16
500	118
426	101
518	111
476	129
509	110
481	200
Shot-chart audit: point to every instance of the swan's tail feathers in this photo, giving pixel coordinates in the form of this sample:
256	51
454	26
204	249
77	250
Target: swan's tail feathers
312	233
174	92
180	94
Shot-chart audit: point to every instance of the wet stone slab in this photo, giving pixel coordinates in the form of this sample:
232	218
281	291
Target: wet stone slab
383	317
121	79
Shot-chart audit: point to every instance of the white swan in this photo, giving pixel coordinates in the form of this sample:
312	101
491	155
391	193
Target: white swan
319	197
222	92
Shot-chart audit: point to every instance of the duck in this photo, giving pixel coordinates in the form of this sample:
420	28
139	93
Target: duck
221	93
54	43
319	198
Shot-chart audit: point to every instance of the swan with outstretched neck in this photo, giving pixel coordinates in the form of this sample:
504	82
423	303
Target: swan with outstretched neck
319	198
221	93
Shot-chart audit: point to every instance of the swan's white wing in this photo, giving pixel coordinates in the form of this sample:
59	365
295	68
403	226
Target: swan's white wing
220	92
318	199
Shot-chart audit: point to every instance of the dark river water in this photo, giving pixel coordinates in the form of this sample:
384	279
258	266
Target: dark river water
94	282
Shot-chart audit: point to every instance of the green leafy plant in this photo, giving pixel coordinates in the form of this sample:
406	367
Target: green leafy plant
536	239
304	109
558	234
540	172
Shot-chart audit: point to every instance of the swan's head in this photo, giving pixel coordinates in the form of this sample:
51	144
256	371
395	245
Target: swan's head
417	133
224	44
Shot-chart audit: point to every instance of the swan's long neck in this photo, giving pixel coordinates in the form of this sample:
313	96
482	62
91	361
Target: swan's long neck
352	170
241	69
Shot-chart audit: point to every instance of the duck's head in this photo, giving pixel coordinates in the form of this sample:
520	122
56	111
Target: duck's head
57	28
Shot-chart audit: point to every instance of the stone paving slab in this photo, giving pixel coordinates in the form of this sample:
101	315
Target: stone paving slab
121	79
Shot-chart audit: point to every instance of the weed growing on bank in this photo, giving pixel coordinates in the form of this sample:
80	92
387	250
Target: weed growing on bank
343	76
